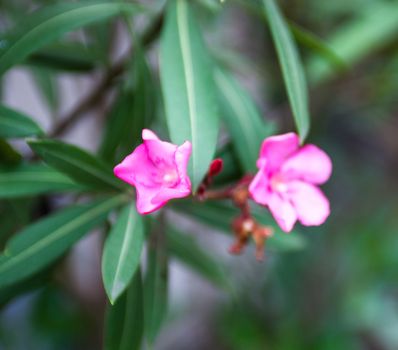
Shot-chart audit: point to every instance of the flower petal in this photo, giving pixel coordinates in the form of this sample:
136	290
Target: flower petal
182	158
145	196
310	203
259	188
149	135
161	153
169	193
276	149
282	211
309	164
136	168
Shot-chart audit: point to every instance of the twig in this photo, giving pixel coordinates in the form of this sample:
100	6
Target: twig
101	89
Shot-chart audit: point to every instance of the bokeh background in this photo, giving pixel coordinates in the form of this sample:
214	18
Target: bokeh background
334	288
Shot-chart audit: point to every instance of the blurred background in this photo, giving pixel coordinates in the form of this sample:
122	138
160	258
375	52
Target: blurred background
334	286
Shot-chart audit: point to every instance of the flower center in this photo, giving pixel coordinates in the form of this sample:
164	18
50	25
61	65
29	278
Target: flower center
278	184
170	177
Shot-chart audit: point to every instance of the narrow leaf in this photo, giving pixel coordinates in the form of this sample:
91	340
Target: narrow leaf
124	323
155	286
81	166
8	155
186	250
41	243
122	252
318	45
70	57
188	88
15	124
243	120
292	68
33	179
373	28
52	22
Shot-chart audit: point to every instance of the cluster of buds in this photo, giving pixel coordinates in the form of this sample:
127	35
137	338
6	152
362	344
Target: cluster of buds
245	226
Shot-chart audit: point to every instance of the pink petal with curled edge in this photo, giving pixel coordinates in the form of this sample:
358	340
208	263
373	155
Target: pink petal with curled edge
282	211
137	168
309	164
149	135
310	203
276	149
145	203
259	188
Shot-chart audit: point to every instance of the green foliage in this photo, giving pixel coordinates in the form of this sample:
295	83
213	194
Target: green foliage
172	68
52	22
41	243
186	250
132	111
125	320
188	87
70	57
14	124
8	155
81	166
243	119
155	286
375	26
122	252
292	69
33	179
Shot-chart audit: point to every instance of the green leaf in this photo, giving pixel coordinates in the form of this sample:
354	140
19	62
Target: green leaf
185	249
41	243
34	282
52	22
292	68
15	214
155	286
33	179
188	88
71	57
8	155
243	120
81	166
376	26
318	45
124	322
133	110
122	252
220	215
15	124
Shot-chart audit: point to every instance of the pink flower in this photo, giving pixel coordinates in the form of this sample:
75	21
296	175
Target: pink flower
287	181
158	170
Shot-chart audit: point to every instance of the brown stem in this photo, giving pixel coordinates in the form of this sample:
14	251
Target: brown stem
216	194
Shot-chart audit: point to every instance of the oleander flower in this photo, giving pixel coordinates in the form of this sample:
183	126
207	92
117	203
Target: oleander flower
158	171
287	181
